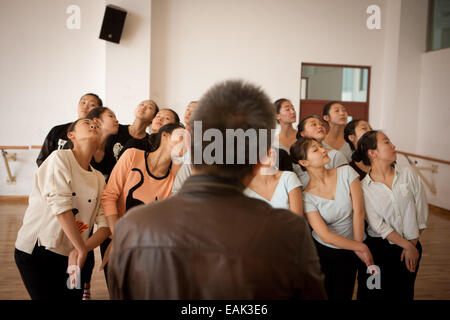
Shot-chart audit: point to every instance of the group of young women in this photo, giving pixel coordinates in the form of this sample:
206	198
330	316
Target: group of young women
366	213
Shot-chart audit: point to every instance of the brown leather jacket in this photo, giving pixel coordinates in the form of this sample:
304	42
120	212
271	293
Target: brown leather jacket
210	241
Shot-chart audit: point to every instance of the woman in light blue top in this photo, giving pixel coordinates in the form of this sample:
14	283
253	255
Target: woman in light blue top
313	127
334	207
281	189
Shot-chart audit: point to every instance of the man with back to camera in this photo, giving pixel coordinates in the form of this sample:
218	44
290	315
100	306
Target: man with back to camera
210	241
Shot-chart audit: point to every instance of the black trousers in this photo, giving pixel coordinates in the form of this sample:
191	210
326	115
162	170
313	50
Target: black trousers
397	283
44	274
89	264
103	246
339	267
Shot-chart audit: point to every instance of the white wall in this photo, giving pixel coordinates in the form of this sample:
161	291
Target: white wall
127	64
44	70
406	73
433	130
199	42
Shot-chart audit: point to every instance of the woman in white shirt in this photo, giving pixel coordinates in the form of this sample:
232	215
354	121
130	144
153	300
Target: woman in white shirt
336	116
281	189
313	127
63	206
334	207
397	213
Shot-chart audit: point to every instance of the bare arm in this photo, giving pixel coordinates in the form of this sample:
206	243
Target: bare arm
320	227
70	228
112	220
358	210
97	238
295	201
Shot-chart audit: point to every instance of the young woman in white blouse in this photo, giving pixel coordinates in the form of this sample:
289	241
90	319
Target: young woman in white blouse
313	127
334	207
281	189
63	206
336	116
397	213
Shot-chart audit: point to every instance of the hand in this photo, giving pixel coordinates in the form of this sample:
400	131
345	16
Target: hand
106	257
411	256
77	257
364	254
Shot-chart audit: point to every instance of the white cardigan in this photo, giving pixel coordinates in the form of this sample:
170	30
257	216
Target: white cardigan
60	184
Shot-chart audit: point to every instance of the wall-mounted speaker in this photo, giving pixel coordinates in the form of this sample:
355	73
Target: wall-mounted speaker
112	25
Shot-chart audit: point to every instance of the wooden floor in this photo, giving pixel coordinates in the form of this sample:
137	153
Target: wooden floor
433	279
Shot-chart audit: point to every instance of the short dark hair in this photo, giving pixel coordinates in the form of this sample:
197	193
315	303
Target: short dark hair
350	130
232	104
299	150
99	101
301	124
367	142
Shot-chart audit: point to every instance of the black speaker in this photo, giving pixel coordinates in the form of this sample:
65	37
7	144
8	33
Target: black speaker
112	25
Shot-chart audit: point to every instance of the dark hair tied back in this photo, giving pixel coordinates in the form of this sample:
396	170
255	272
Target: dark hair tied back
367	142
96	113
299	150
155	138
350	130
326	109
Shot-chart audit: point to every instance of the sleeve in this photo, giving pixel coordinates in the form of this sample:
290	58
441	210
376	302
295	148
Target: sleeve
55	177
47	148
291	181
116	182
308	204
301	175
375	221
420	199
351	174
183	173
339	160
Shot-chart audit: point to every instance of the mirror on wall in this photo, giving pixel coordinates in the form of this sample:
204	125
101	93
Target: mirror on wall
322	83
334	83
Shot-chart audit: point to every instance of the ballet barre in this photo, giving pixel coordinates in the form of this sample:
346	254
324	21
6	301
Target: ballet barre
12	157
433	168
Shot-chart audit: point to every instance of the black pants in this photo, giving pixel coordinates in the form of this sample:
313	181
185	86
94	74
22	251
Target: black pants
339	267
103	246
89	264
44	274
396	281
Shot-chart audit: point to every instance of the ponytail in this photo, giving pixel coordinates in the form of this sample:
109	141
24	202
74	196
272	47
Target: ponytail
367	142
155	138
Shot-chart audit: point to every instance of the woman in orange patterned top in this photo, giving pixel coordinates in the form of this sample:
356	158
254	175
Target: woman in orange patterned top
141	177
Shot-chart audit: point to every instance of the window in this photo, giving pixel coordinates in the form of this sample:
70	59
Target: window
439	25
